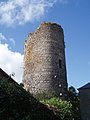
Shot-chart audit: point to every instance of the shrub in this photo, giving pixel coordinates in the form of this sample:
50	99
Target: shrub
73	97
64	108
18	104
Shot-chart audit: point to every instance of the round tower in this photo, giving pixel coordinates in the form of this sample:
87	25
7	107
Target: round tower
44	61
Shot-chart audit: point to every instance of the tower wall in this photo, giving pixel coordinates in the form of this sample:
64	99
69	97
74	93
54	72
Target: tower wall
44	60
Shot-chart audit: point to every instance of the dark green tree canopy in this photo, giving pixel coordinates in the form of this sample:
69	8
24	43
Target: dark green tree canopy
18	104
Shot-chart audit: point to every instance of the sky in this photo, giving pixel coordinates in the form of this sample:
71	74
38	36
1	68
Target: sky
20	17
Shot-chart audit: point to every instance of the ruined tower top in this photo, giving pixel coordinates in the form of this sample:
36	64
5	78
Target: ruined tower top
46	25
44	60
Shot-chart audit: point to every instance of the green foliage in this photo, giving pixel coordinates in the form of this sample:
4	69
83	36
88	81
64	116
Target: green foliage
74	100
69	109
17	104
14	101
63	107
28	117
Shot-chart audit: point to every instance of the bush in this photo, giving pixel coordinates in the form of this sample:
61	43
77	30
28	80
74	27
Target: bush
60	107
14	101
18	104
73	97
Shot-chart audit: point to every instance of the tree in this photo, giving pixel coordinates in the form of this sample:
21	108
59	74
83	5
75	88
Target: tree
73	97
18	104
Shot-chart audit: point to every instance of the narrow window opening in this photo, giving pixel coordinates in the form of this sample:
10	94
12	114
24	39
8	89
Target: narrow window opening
60	63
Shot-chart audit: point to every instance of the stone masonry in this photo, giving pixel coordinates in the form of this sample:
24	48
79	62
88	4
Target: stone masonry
44	60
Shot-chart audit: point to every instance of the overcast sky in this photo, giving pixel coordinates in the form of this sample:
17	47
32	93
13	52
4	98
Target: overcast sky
20	17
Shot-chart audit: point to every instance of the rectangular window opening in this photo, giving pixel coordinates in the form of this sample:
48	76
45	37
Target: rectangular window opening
60	63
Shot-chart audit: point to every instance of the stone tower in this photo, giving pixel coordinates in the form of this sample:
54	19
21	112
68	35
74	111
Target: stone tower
44	60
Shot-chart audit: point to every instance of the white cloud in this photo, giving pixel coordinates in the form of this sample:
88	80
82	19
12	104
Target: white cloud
12	41
2	37
14	12
11	61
